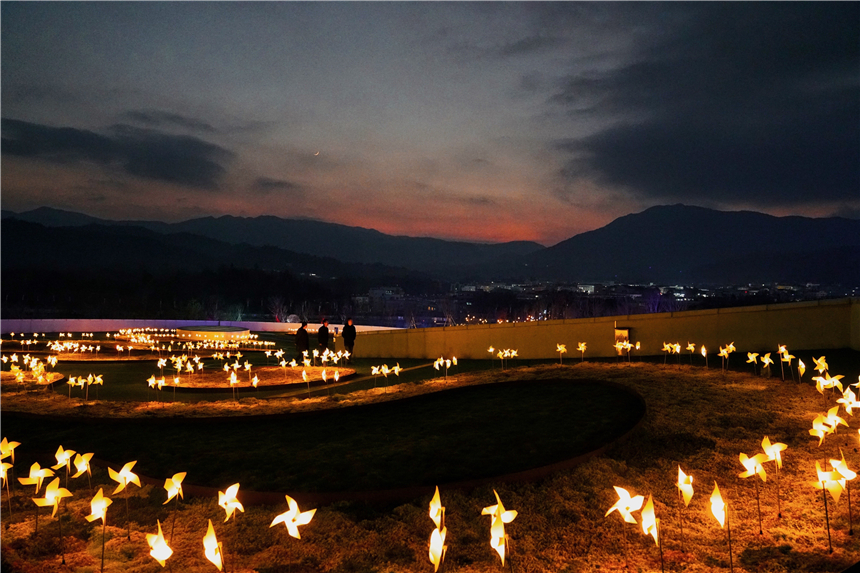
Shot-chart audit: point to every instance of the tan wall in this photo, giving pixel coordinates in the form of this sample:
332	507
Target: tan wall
803	325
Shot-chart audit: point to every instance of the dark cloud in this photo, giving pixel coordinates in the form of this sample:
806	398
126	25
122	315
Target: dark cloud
164	119
529	45
144	153
742	101
265	185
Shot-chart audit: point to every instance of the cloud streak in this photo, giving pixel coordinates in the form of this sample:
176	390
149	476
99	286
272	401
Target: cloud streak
164	119
146	153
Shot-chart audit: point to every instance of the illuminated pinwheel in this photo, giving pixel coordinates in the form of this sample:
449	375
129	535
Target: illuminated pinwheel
499	518
766	361
772	451
718	507
228	501
64	458
82	464
626	504
561	349
841	468
833	420
124	477
437	537
4	478
7	449
753	466
98	507
53	495
174	487
37	475
787	358
159	549
820	364
650	523
685	486
826	381
211	547
752	358
293	518
831	481
581	348
801	368
849	401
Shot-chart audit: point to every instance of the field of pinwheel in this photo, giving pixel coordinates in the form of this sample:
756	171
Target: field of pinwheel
698	420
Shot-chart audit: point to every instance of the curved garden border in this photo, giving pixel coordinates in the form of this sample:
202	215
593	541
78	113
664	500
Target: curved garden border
395	494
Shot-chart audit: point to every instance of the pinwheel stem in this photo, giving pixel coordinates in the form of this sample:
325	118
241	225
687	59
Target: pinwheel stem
127	516
9	498
660	546
778	502
175	511
782	368
104	525
37	520
508	547
729	530
850	519
826	516
62	545
758	506
680	517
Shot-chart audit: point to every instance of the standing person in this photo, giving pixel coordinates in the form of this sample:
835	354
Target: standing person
349	337
322	336
302	343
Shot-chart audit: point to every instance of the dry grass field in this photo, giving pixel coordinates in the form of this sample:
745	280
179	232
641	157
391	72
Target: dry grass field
698	419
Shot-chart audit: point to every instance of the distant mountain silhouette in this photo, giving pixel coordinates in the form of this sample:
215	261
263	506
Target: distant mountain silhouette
348	244
674	244
99	249
682	244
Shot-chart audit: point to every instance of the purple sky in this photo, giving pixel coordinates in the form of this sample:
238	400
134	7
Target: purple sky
476	121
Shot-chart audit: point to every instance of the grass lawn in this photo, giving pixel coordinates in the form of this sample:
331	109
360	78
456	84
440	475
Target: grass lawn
698	419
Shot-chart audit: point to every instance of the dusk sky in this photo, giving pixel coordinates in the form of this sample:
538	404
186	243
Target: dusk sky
474	121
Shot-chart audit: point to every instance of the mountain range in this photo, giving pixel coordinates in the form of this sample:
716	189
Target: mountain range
674	244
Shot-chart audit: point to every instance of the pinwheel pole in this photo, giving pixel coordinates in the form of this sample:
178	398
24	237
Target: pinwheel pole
850	520
104	531
758	506
729	532
826	516
778	501
9	499
680	521
175	511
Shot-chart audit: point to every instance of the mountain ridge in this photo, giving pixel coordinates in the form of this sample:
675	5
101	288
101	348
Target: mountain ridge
669	244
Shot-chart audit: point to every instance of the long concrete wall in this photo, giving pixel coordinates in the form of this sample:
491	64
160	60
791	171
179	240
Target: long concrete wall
29	326
804	325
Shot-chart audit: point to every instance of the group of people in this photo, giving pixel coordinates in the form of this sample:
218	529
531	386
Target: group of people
303	339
